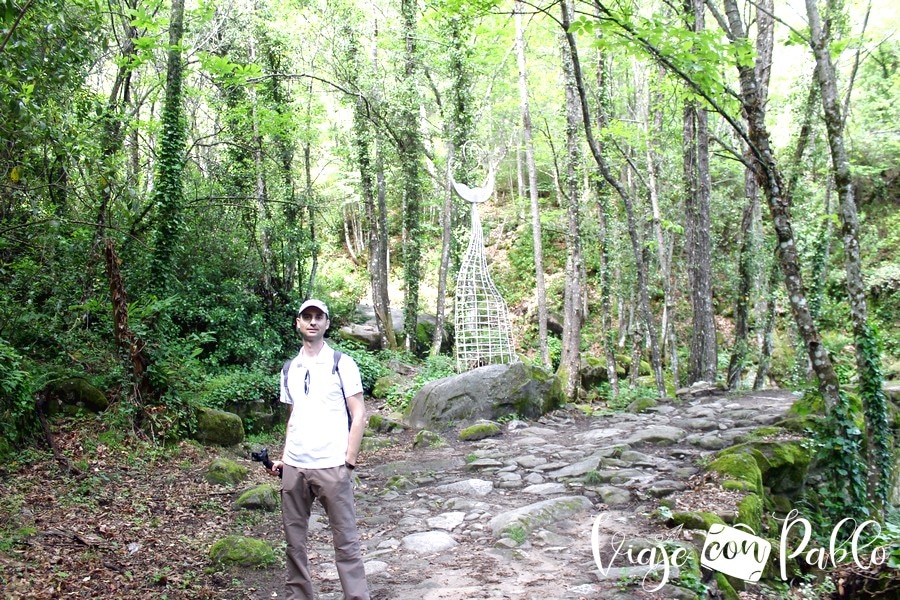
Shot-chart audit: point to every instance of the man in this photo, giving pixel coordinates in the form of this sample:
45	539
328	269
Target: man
320	452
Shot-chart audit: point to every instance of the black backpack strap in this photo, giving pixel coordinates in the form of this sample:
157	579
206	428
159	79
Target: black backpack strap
335	370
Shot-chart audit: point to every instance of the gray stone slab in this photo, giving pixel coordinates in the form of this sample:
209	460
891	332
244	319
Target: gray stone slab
539	514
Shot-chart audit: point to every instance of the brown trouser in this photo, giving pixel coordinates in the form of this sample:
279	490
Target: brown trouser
334	489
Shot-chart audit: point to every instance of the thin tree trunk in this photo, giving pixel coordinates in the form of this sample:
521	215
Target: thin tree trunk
609	333
868	360
410	152
765	29
169	192
697	227
573	313
536	235
637	353
765	352
263	216
636	241
310	211
460	165
667	327
380	296
609	336
446	235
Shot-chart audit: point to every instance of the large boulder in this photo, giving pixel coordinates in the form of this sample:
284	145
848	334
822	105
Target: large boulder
259	416
488	393
67	395
367	335
364	329
219	427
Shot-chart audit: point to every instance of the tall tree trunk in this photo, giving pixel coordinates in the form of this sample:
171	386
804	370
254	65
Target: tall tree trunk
263	215
633	231
573	313
603	220
169	191
536	236
698	227
868	360
446	245
609	332
765	351
461	125
311	221
765	35
368	182
410	153
380	296
773	186
667	329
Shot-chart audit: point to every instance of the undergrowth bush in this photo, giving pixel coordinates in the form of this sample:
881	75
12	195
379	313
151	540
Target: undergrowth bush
434	367
18	416
239	386
370	368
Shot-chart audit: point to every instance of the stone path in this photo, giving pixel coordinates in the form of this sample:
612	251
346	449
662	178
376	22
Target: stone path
512	516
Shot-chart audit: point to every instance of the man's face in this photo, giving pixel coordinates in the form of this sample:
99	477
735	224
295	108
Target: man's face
312	324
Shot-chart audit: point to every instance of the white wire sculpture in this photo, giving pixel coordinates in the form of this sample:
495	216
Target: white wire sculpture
483	332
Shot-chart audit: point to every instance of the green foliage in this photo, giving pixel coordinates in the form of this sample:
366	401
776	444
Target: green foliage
875	405
627	395
240	387
696	55
341	289
434	367
18	415
516	533
837	445
370	368
554	348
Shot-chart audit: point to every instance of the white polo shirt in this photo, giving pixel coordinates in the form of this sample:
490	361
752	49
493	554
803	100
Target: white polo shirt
317	433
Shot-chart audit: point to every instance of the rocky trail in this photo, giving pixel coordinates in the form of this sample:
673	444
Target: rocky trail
512	516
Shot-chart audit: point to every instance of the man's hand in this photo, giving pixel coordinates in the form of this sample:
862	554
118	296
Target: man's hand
277	467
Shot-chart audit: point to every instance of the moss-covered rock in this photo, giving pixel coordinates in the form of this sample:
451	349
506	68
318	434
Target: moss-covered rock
694	520
381	424
262	497
426	438
782	464
738	486
384	385
750	510
371	443
242	551
725	587
219	427
739	467
641	404
479	431
399	483
72	393
223	471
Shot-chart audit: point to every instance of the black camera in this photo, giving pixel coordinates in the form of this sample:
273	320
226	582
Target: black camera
263	457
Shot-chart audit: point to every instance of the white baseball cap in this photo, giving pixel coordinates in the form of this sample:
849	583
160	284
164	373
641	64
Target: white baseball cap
314	304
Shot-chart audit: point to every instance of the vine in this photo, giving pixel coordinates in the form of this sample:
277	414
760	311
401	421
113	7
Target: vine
839	446
875	405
